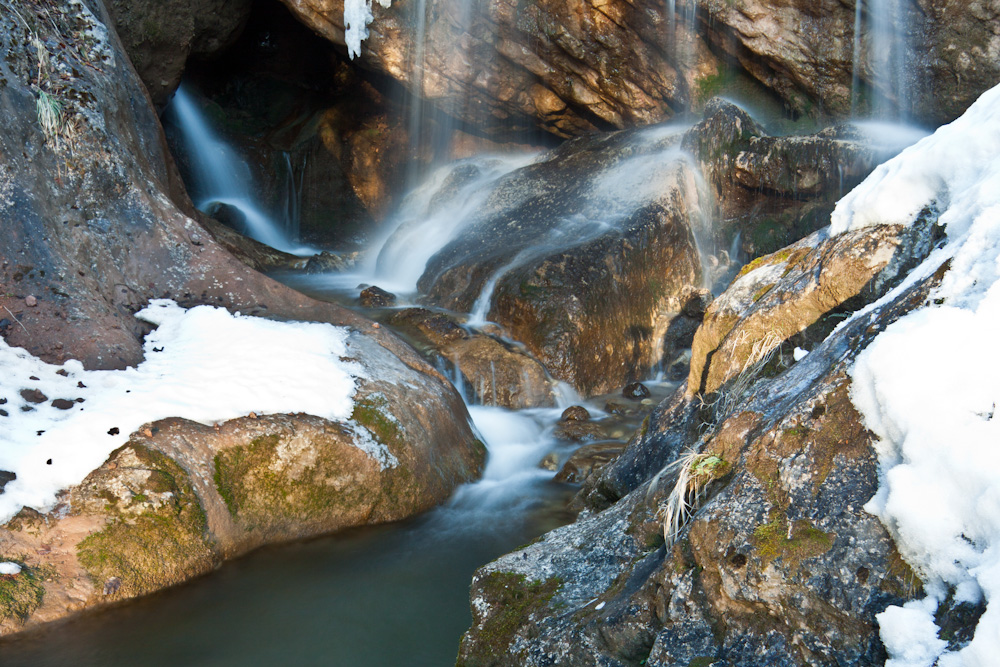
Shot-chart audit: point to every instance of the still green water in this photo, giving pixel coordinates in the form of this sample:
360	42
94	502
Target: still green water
388	595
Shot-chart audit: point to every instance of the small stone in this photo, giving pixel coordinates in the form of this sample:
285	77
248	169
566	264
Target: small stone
147	432
376	297
112	585
63	372
576	413
30	301
113	430
62	404
5	477
550	462
635	390
33	396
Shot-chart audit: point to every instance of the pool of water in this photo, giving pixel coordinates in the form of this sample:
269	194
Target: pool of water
387	595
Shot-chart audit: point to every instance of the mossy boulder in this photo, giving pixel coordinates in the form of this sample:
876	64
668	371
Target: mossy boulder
156	533
798	294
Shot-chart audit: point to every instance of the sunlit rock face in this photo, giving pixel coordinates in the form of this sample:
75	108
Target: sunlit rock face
160	36
570	66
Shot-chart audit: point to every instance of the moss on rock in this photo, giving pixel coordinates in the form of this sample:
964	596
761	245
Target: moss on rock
21	593
157	539
514	599
295	481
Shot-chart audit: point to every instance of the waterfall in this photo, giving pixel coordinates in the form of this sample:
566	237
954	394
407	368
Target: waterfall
886	25
220	176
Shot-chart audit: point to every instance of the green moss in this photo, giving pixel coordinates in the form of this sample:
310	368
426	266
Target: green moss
372	412
260	494
161	546
22	593
774	540
764	289
701	661
513	600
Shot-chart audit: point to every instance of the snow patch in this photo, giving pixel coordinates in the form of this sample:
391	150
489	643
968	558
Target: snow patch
929	386
203	364
10	568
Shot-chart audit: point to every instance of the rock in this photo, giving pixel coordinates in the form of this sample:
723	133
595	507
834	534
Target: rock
780	563
572	67
568	67
5	477
376	297
579	431
30	301
775	190
636	390
576	413
63	404
809	283
588	459
590	247
489	367
181	497
159	37
327	262
33	396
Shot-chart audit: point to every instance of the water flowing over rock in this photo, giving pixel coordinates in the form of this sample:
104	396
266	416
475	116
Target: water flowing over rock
587	256
97	224
595	254
572	67
779	564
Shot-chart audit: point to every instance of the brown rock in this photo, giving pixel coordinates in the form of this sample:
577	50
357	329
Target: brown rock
588	459
376	297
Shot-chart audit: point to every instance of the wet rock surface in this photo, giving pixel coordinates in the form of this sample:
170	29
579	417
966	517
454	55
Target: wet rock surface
603	259
776	562
492	370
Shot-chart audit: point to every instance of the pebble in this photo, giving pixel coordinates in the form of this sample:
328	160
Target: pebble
30	301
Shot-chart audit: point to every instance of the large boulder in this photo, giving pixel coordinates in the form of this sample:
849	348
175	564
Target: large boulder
95	226
588	256
774	562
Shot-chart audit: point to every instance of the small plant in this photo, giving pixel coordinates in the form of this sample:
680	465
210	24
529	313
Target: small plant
50	115
695	473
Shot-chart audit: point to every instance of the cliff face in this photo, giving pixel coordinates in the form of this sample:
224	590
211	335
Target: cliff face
571	66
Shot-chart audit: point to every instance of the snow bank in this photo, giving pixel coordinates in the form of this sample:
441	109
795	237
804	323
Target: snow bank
203	364
929	387
357	16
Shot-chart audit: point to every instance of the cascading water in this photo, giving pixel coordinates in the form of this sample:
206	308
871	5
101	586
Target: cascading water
220	176
885	51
